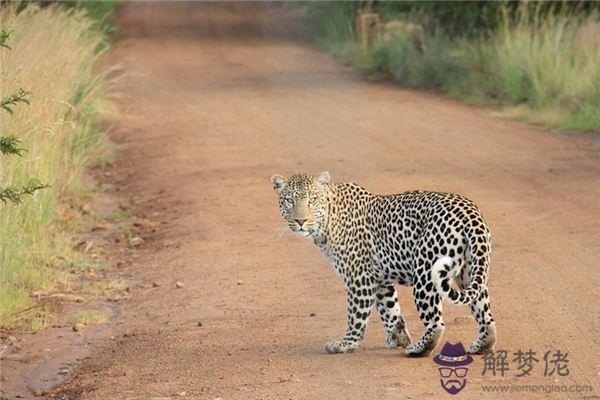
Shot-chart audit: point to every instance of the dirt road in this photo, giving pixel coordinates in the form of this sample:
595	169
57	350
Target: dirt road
220	97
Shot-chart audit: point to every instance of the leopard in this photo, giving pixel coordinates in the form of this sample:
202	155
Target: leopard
437	243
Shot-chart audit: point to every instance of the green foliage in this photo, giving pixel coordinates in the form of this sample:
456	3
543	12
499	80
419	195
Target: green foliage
9	145
472	18
11	100
15	195
101	12
4	36
539	61
330	21
587	119
61	131
452	18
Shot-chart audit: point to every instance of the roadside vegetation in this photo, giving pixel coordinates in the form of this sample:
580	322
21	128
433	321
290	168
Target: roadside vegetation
50	57
538	62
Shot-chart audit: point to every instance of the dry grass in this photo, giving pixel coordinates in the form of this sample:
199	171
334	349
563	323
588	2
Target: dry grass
551	63
54	56
88	317
540	65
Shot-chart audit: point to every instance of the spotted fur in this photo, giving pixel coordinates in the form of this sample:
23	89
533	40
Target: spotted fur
438	243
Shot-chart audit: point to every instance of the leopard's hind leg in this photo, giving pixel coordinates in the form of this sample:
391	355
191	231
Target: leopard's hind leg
429	306
391	317
480	308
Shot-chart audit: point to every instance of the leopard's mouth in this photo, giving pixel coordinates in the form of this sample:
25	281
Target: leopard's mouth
302	231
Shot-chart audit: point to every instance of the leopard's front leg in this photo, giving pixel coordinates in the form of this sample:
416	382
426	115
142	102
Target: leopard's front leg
361	294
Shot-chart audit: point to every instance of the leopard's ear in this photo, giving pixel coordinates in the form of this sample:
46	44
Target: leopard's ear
323	179
278	182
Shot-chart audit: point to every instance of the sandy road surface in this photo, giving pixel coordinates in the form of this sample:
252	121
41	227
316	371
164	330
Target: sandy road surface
218	99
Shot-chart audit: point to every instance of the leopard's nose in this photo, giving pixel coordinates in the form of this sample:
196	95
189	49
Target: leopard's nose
300	222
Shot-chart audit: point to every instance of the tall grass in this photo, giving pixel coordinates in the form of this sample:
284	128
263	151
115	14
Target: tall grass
332	25
550	62
54	56
538	64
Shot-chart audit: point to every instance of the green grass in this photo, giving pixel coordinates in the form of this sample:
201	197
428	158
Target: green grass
54	55
102	14
87	317
121	216
538	64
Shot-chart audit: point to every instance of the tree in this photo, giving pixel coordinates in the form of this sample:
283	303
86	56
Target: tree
10	145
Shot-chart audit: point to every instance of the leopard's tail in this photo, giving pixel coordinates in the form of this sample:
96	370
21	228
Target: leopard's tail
445	270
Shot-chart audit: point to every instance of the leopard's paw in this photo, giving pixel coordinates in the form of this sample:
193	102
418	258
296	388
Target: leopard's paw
392	340
480	346
336	346
417	349
485	342
404	338
398	339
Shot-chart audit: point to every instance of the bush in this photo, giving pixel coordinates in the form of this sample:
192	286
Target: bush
549	61
539	61
53	56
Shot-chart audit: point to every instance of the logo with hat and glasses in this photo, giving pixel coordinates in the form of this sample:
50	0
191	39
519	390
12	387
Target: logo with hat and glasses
452	362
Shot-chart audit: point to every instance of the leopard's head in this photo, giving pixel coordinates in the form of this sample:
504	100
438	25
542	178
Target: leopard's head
303	201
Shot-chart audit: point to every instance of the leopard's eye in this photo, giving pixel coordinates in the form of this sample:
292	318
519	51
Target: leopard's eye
289	202
312	200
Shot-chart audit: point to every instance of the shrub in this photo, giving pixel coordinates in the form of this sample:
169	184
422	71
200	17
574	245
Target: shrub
53	55
539	61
